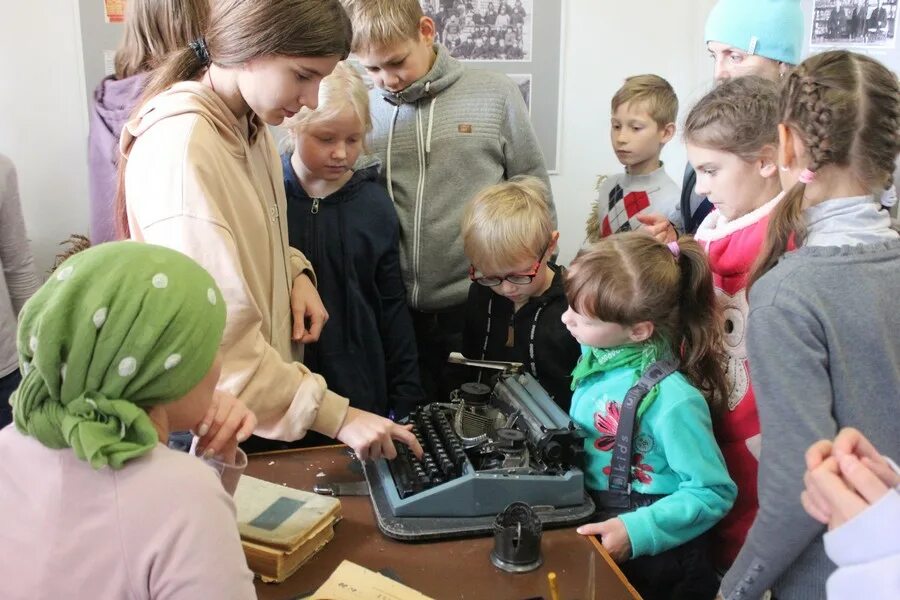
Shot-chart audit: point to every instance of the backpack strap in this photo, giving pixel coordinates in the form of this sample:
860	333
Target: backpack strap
687	188
620	467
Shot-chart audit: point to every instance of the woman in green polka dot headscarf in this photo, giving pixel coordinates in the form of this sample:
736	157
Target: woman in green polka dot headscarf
117	349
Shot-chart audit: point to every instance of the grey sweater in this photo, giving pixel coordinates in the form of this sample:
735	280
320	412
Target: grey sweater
441	140
824	352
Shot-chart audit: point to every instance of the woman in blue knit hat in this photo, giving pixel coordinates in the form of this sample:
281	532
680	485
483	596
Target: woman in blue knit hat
116	350
743	37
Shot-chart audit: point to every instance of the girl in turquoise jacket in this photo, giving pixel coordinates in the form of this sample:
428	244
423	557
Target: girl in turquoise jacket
634	301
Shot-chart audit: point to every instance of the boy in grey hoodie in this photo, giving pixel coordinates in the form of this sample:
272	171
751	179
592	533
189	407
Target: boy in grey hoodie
443	132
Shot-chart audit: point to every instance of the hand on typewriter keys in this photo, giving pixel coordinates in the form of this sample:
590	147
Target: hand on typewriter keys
371	436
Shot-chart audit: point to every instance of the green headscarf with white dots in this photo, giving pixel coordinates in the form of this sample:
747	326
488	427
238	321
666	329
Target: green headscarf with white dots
118	327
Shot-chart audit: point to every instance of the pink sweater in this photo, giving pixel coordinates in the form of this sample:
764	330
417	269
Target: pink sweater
162	527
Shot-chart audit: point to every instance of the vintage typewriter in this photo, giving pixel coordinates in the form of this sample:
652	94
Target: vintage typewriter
487	447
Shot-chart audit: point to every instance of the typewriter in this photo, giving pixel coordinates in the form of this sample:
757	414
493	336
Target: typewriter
487	447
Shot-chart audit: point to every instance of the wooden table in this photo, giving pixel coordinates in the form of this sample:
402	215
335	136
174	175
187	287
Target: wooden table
442	570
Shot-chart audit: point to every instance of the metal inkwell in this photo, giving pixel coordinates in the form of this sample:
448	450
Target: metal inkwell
517	539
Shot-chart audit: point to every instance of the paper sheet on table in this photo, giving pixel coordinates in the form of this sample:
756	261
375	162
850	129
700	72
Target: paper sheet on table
353	582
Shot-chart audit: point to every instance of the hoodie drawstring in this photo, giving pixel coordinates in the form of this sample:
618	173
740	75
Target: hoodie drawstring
390	184
430	126
390	142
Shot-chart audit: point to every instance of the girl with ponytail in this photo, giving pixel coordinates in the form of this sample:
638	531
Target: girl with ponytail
637	305
822	331
732	139
200	173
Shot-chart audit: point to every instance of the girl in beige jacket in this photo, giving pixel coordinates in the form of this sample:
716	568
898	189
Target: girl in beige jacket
201	174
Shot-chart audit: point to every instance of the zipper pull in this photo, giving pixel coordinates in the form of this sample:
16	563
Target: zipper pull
315	207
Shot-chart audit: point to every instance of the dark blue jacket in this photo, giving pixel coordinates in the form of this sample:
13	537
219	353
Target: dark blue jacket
367	350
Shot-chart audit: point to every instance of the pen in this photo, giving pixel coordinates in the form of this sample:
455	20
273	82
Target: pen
554	591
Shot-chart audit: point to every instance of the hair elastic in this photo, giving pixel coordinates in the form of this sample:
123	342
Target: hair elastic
807	176
674	248
200	49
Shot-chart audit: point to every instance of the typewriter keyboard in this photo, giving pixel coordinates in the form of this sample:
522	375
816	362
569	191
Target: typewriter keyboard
444	456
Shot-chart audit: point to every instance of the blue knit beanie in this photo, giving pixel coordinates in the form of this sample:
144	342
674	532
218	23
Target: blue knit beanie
769	28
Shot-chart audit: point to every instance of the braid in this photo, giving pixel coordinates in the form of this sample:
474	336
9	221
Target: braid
885	128
845	109
817	128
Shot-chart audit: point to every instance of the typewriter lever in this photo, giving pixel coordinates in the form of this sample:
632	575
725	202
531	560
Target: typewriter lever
508	367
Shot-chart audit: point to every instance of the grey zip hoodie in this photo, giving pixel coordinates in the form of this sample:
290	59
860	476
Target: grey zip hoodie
441	140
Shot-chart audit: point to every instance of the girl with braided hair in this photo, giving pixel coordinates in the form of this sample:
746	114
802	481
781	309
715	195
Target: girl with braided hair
812	309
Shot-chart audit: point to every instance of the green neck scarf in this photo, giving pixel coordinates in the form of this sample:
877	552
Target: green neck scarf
637	357
116	329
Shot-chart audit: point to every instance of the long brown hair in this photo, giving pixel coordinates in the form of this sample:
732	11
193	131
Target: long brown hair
845	109
631	277
154	28
239	31
739	116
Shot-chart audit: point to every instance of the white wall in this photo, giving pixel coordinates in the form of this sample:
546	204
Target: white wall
43	127
605	42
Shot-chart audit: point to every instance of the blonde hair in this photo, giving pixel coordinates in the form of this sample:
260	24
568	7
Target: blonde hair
845	109
507	222
631	277
342	89
153	29
653	93
379	23
740	116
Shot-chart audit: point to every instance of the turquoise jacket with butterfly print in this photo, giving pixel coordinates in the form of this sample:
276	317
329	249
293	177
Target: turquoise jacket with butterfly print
675	454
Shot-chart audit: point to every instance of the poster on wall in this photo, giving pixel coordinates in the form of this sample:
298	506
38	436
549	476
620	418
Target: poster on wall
853	24
520	38
114	10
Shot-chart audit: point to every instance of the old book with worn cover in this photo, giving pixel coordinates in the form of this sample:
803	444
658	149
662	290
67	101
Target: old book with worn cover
271	564
282	527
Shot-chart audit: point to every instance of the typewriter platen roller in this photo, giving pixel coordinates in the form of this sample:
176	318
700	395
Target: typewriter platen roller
485	448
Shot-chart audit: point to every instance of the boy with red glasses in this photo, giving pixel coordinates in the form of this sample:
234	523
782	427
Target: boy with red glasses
517	298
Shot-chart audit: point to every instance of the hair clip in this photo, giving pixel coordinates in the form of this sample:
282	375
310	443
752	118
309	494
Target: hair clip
674	248
201	51
807	176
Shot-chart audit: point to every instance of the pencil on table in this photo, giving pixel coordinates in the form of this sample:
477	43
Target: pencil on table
554	591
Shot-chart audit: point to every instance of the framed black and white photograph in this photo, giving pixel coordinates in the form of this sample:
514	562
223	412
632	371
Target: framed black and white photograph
854	24
484	30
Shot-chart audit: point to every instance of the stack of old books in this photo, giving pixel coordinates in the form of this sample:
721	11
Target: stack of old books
281	528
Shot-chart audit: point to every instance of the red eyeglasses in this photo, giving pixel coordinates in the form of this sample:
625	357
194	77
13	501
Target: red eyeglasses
513	278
